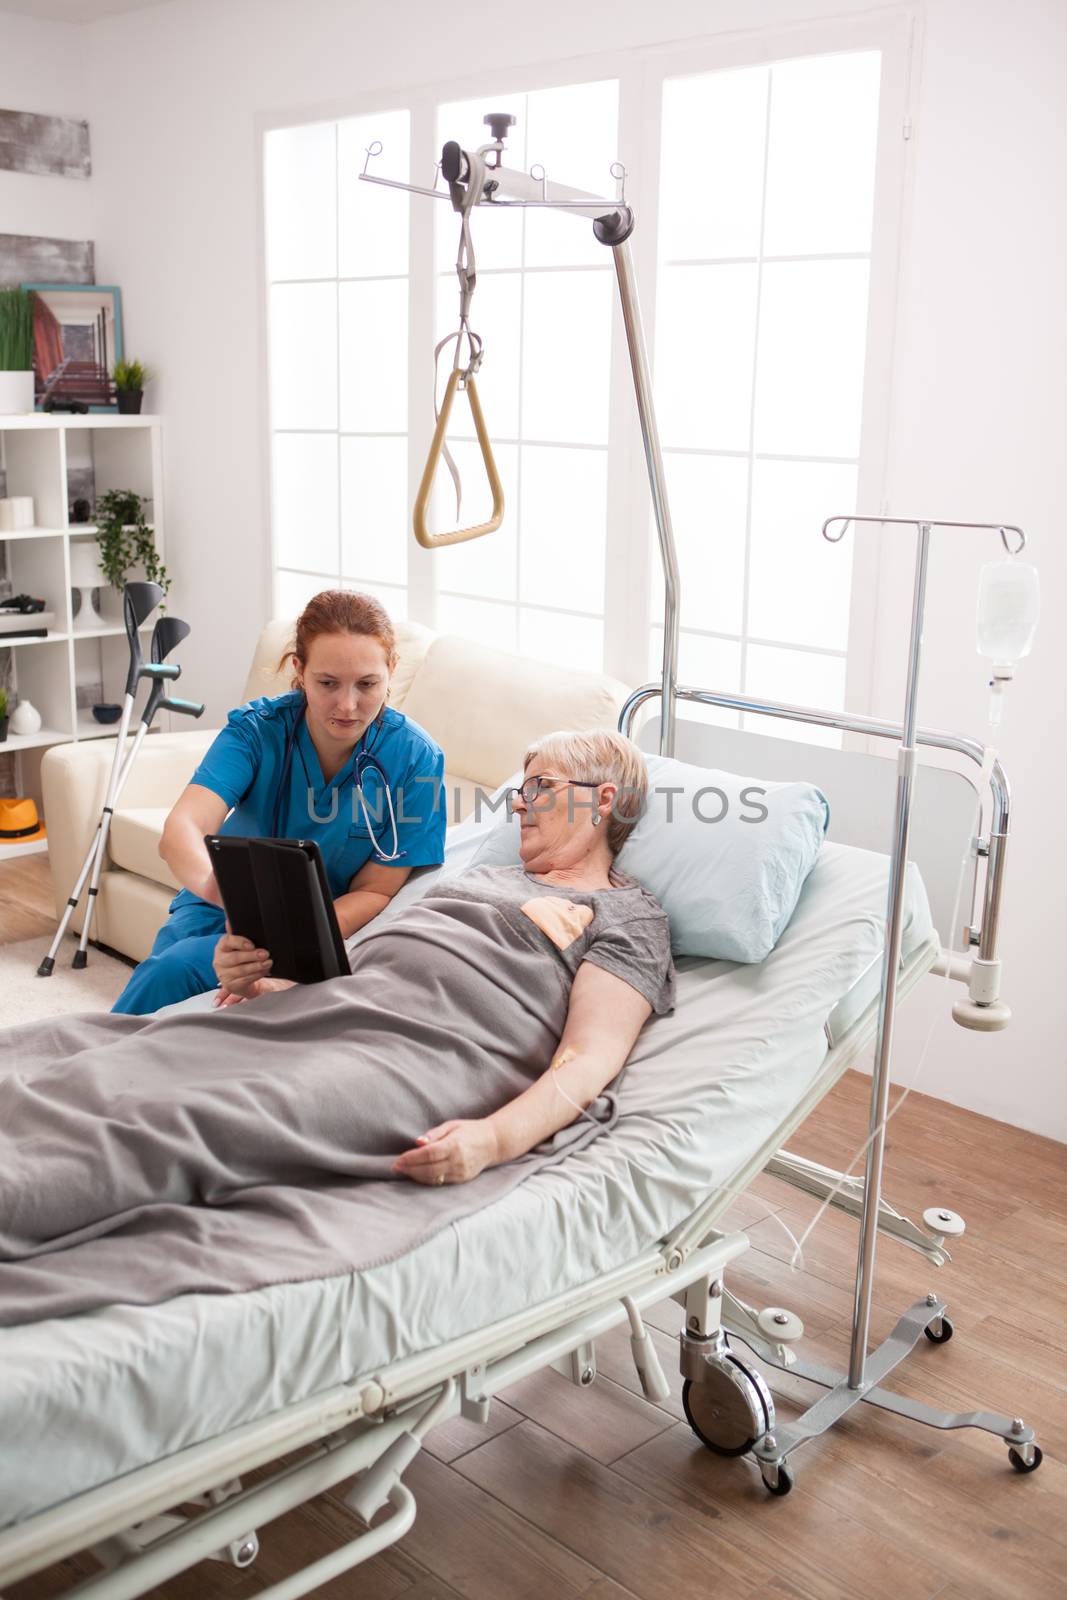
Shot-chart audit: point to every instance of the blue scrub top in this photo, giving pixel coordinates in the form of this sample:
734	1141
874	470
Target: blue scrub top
244	767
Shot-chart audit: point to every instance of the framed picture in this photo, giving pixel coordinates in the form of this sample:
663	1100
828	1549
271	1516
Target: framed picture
77	338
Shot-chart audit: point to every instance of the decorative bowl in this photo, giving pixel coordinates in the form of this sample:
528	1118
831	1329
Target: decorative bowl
107	713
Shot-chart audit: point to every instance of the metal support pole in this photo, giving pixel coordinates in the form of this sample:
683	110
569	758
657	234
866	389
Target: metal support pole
646	410
880	1080
499	188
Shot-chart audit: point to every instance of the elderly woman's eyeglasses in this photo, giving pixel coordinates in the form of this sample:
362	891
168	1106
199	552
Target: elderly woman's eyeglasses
533	787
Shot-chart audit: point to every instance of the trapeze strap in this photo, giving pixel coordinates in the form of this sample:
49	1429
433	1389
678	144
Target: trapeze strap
435	541
475	351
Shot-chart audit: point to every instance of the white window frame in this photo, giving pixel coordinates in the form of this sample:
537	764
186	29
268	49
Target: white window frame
640	74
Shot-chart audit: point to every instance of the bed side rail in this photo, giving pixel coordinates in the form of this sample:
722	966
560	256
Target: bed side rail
349	1429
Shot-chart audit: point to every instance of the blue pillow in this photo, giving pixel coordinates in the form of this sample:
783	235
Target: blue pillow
725	856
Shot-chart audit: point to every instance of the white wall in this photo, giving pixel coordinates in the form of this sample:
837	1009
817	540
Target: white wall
978	404
980	424
44	67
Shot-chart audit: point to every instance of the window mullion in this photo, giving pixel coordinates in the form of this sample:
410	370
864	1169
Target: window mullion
746	580
337	291
422	577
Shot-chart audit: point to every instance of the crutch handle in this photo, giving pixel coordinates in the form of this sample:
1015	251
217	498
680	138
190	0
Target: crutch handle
155	697
184	708
159	669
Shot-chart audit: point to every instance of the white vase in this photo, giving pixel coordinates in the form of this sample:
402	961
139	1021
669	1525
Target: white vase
25	718
16	393
85	576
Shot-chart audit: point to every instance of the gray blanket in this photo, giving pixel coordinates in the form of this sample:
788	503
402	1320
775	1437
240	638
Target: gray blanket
142	1158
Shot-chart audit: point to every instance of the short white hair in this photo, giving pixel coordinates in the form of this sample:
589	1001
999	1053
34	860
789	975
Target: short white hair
600	757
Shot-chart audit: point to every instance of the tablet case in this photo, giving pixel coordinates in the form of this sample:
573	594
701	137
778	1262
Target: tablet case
275	892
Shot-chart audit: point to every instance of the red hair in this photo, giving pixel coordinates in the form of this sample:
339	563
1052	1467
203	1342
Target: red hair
341	611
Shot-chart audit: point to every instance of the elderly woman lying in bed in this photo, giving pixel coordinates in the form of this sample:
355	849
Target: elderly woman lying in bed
517	958
480	1018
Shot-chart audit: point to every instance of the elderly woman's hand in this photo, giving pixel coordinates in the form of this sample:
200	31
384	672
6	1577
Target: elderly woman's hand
453	1152
253	992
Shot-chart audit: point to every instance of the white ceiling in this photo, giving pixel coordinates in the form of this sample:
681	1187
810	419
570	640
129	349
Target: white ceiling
74	10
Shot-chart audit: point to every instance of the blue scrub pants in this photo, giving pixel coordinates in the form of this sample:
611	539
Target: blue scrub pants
180	963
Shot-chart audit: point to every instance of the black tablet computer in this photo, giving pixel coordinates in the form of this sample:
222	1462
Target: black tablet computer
275	892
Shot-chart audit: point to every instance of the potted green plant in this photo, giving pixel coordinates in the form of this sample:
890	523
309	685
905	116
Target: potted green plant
3	715
125	539
130	378
16	351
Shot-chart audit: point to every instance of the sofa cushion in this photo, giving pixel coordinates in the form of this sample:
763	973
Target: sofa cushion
412	641
133	843
484	706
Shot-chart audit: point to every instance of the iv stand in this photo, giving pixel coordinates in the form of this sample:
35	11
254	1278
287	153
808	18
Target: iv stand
872	1188
867	1370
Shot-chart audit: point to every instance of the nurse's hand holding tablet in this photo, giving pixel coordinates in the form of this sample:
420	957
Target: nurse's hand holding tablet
330	761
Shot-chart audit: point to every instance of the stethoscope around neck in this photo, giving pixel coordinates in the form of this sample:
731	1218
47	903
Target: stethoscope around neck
363	761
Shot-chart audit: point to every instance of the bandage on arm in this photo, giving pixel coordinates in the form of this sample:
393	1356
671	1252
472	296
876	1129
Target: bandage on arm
563	1059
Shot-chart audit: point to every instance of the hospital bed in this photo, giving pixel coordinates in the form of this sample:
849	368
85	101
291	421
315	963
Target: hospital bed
354	1371
113	1418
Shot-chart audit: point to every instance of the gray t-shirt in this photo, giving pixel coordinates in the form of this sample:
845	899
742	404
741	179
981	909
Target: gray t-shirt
623	929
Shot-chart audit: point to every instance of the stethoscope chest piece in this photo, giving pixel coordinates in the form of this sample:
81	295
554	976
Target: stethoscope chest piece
363	764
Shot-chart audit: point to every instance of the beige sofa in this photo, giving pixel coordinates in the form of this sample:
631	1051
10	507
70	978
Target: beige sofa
481	705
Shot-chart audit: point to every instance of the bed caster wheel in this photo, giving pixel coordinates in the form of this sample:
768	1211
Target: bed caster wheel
729	1407
940	1331
1018	1462
241	1553
777	1480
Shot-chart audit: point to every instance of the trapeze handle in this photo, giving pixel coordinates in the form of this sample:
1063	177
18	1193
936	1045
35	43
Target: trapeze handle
435	541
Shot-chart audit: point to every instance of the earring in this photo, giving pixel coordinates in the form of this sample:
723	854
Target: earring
597	819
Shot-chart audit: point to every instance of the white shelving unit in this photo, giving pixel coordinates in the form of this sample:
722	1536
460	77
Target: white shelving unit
38	452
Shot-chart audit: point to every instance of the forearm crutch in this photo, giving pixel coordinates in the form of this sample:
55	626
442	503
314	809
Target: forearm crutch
168	632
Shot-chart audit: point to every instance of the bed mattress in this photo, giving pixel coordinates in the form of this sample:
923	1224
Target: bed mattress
84	1399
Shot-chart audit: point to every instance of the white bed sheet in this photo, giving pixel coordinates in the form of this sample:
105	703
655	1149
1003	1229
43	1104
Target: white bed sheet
83	1399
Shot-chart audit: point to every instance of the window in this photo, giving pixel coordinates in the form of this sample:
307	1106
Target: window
543	304
755	259
339	289
762	312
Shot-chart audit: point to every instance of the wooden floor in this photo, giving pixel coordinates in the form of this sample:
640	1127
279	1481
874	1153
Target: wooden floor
602	1495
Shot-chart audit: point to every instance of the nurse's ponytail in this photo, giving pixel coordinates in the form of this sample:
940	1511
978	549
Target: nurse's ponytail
340	611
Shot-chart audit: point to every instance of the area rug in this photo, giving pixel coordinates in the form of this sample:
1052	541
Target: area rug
24	997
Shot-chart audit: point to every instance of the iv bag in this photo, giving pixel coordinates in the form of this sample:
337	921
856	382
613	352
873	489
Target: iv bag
1008	605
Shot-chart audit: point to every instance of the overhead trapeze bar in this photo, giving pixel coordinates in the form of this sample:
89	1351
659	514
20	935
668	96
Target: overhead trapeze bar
479	178
438	448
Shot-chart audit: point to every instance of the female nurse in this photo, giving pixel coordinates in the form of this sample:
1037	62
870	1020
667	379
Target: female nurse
330	761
